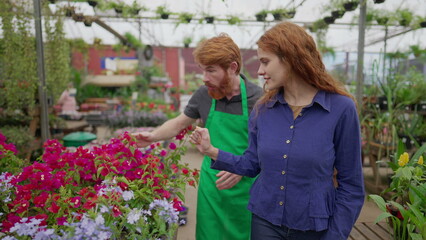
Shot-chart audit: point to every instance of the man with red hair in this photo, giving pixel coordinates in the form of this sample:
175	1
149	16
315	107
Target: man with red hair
223	105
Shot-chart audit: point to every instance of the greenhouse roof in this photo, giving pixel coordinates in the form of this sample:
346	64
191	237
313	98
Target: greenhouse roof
342	35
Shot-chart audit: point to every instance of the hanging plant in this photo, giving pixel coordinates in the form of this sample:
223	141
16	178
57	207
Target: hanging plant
163	12
57	57
405	16
350	5
19	69
209	19
92	3
278	13
337	14
185	17
233	20
261	15
329	20
378	1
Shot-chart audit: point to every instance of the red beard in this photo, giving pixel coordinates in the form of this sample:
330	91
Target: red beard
224	88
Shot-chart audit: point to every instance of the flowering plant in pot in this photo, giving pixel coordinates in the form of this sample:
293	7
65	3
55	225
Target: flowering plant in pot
406	208
112	191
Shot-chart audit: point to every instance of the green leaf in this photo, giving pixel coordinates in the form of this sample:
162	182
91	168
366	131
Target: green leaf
380	202
382	216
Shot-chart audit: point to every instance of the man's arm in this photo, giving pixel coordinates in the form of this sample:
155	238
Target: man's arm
167	130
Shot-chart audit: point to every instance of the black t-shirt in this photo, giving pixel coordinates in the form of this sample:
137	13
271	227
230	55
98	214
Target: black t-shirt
200	102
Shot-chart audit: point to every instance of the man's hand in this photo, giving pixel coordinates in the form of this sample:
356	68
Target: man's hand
227	180
143	139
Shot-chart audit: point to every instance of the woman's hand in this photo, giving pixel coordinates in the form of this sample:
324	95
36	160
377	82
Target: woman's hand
201	138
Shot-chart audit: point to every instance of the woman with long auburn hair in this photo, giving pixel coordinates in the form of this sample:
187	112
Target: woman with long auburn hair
303	128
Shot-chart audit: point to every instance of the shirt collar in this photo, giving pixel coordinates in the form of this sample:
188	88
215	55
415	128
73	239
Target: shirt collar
320	98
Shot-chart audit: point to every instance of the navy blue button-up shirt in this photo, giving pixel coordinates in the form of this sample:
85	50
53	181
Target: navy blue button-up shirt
294	160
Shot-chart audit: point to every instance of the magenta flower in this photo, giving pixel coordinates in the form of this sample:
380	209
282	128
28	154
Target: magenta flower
172	146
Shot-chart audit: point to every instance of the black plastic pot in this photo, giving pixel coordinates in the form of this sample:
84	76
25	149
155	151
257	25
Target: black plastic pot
277	16
350	6
337	14
164	16
404	22
87	23
92	3
379	1
423	24
329	20
118	10
209	19
260	17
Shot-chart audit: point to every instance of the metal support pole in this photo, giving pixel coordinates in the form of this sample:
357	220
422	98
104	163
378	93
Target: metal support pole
360	62
44	116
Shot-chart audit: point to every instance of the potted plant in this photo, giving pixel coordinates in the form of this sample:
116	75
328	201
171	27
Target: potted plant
378	1
185	17
350	5
110	191
329	19
317	25
233	20
209	19
163	12
92	3
290	13
261	15
404	16
338	13
278	13
186	41
88	21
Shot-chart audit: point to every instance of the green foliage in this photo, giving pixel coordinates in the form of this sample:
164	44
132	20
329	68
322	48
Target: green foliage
57	56
20	137
19	71
406	209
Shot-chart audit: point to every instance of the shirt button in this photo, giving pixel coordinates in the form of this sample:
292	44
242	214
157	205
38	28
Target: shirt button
288	141
283	172
285	156
281	203
291	127
282	187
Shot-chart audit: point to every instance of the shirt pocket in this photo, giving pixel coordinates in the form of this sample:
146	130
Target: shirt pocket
321	205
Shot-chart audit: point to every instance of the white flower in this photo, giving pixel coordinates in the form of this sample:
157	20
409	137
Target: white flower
134	216
100	220
128	195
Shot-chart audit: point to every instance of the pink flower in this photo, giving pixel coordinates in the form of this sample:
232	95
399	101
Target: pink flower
163	153
172	146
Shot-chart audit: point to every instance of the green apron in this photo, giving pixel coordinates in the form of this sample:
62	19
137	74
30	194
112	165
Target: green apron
223	214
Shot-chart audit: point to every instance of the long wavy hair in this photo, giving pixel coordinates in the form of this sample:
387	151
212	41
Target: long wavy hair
292	44
220	50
